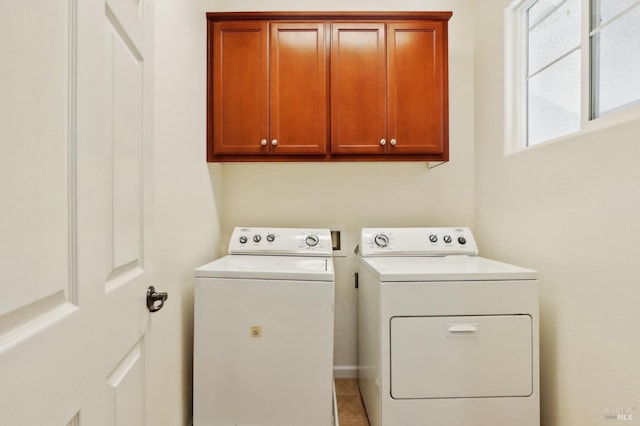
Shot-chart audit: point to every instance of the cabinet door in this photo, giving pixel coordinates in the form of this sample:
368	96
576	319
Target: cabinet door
358	88
298	88
240	79
417	67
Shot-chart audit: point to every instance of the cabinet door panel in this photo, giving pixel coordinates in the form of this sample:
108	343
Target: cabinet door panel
298	86
358	88
240	87
417	95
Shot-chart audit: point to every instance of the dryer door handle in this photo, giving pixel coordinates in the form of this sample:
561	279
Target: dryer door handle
462	328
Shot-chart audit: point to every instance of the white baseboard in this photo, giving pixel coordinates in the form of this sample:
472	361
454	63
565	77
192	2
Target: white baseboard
345	371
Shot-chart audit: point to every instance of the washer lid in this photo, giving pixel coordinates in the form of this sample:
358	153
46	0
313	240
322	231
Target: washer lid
269	268
445	268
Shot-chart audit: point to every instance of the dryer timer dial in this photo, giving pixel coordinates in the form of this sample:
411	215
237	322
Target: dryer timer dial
312	240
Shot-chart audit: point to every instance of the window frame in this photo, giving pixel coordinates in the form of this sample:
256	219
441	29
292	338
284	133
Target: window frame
516	72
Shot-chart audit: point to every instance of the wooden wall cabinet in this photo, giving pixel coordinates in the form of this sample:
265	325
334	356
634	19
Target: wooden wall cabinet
388	88
327	86
269	88
240	95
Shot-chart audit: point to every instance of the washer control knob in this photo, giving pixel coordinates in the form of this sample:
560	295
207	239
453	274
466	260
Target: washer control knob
433	238
243	239
311	240
447	239
462	240
271	237
381	240
257	238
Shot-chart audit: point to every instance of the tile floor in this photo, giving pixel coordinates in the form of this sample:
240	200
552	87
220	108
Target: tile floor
350	408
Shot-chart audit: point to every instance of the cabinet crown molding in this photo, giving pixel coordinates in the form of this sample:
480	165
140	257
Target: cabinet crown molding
329	16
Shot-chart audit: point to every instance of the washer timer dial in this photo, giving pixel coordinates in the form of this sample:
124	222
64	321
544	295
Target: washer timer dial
381	240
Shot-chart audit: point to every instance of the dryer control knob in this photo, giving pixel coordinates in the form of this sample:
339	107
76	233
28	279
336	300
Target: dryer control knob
381	240
433	238
257	238
312	240
447	239
271	237
462	240
243	239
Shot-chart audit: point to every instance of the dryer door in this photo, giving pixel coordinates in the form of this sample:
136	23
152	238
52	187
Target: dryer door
461	357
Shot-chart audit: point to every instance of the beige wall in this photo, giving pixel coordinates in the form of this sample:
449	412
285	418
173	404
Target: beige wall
570	209
356	195
187	220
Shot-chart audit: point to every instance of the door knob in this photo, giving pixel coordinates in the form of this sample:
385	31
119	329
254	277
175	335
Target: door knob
155	300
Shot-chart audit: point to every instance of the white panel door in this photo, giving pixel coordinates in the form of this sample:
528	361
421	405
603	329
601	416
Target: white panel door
75	185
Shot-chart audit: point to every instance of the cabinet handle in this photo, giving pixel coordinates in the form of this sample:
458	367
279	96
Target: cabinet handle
393	142
383	142
263	142
274	142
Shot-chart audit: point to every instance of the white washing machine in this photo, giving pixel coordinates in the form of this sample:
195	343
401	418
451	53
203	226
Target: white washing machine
446	338
263	331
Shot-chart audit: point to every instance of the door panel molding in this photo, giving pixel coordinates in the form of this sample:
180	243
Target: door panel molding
125	81
127	18
72	135
127	383
45	231
30	320
75	421
122	275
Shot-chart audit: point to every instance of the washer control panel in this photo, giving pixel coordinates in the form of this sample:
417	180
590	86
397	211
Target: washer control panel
417	242
281	241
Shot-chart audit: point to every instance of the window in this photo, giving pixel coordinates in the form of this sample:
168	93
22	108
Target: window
554	55
615	47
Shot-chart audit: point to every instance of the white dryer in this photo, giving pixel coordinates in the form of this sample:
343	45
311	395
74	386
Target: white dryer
446	338
263	331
